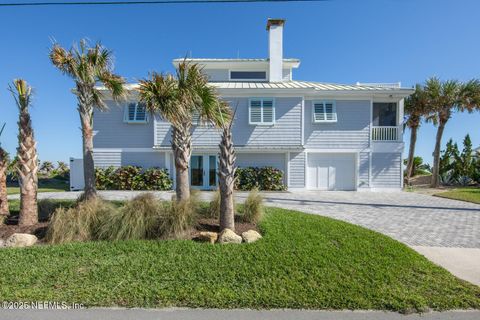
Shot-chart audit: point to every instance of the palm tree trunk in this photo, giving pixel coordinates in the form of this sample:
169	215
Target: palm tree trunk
85	109
411	152
182	150
227	179
4	210
436	154
27	171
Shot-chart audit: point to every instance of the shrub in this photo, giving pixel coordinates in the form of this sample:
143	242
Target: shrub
132	178
265	178
179	217
139	218
104	178
156	179
127	178
253	207
79	223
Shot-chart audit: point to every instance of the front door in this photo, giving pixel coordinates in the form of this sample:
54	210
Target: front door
203	171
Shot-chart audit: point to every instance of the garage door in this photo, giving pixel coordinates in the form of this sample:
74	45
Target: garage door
331	171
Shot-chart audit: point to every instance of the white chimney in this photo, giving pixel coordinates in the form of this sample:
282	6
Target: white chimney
275	48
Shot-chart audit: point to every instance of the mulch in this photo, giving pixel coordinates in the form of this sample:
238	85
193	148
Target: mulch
39	230
204	224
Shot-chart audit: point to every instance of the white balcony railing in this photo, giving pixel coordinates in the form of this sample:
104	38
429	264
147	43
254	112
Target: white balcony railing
385	133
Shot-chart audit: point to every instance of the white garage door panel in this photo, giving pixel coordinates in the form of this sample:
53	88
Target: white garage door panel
331	171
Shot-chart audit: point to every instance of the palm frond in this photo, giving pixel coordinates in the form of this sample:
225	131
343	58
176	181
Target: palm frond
114	83
63	60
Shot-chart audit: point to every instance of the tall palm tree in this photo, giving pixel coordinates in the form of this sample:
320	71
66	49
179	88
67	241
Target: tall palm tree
416	107
88	66
226	176
177	98
4	210
27	166
446	97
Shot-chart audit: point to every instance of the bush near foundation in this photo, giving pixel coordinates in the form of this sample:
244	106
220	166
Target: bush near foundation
132	178
261	178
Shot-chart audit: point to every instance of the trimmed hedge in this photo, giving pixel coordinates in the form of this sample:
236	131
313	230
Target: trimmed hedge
263	178
132	178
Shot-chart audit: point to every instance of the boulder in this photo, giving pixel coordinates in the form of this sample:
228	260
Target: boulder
18	240
251	236
228	236
206	236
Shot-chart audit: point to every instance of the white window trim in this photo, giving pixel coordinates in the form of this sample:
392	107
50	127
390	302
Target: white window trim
334	110
261	123
125	115
243	80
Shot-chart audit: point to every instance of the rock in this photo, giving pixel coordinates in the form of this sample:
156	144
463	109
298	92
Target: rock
206	236
18	240
251	236
2	243
228	236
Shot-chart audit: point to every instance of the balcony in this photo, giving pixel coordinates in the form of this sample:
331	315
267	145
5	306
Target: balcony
387	134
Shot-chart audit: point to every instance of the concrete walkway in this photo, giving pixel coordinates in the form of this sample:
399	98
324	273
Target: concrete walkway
216	314
445	231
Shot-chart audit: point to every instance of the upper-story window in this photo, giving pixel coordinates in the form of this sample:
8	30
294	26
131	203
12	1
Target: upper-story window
135	113
324	111
248	75
384	114
261	111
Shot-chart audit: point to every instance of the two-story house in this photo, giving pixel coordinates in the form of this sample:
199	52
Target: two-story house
323	136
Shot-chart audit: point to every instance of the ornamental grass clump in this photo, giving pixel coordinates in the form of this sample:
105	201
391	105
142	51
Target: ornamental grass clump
138	219
79	223
253	208
179	217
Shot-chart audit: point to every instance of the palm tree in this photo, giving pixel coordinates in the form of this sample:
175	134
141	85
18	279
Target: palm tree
88	66
27	166
4	211
177	99
226	176
46	167
416	107
444	98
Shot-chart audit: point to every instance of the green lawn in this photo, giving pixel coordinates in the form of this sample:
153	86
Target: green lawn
464	194
303	261
44	185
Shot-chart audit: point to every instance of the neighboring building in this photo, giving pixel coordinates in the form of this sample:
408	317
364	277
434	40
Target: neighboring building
323	136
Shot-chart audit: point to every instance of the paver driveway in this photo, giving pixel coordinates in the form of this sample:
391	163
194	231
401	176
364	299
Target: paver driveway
414	219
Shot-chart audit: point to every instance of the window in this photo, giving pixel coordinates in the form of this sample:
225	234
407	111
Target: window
384	114
262	111
248	75
324	111
135	113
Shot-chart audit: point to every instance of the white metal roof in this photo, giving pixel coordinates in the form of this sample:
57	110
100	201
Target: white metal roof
231	60
317	86
309	86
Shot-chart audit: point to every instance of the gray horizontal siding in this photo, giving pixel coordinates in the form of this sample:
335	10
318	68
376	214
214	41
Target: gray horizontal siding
386	170
285	132
351	131
363	169
297	170
117	159
112	132
276	160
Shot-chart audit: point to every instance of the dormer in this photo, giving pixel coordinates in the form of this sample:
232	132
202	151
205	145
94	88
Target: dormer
273	69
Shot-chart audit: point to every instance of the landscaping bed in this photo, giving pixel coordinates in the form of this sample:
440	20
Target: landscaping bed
303	261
